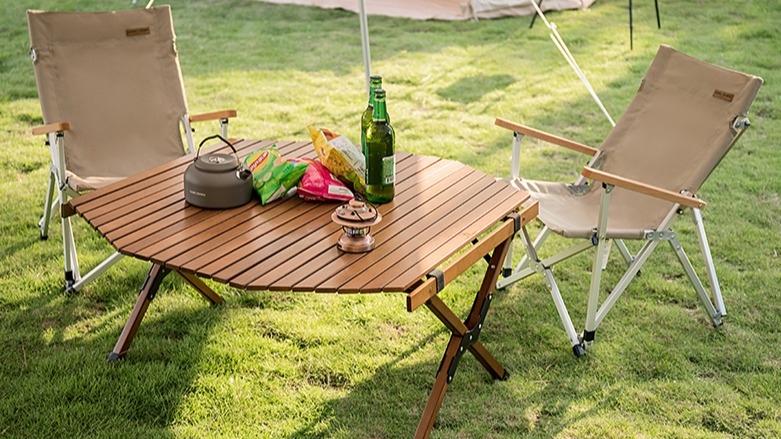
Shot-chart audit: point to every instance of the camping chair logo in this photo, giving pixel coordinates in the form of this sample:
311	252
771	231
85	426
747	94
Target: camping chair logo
723	95
137	32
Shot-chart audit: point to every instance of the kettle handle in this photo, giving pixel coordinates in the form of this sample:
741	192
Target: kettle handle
216	136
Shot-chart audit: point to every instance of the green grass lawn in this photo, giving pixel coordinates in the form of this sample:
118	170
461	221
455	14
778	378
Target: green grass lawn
284	365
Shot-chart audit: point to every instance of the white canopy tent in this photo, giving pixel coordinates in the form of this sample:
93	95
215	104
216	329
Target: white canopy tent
443	9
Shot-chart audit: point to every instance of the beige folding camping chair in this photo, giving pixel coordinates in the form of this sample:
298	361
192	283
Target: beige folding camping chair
686	116
112	100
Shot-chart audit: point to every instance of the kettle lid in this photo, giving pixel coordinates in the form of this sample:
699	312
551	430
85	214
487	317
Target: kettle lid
217	163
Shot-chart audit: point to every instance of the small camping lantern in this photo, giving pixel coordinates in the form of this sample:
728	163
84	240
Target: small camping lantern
356	217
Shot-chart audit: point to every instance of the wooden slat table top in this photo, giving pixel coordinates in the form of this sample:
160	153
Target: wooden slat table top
440	207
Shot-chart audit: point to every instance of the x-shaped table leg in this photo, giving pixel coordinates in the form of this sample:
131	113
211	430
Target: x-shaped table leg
148	291
465	336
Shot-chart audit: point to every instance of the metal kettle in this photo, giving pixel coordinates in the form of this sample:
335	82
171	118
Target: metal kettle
217	181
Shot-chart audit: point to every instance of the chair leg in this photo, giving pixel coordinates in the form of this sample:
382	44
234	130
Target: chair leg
593	293
553	287
566	321
70	260
95	272
596	268
624	251
709	266
695	280
519	272
623	283
515	175
48	208
57	178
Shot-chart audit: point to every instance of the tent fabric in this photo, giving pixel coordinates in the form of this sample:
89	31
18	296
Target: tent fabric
444	9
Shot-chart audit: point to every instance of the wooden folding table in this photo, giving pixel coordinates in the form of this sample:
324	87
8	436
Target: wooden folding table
445	217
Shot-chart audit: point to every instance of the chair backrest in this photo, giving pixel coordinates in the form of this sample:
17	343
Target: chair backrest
680	124
115	77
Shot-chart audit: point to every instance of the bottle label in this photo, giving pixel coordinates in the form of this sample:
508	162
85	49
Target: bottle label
388	169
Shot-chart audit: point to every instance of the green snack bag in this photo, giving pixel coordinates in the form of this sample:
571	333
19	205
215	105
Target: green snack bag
284	178
272	175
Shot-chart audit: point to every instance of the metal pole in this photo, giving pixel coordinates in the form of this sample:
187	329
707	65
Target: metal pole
631	29
534	17
658	20
367	62
559	42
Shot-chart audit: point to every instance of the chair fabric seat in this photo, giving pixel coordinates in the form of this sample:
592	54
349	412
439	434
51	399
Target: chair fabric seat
85	184
573	211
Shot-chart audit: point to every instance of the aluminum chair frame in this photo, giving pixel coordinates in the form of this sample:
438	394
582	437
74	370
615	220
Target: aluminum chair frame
59	192
530	264
600	240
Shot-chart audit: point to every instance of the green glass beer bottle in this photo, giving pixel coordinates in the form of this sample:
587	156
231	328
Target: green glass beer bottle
380	154
375	82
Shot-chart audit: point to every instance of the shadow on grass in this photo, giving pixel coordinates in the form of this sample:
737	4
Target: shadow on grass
65	340
472	89
475	405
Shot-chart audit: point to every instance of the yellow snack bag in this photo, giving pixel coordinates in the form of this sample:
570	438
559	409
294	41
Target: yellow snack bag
340	157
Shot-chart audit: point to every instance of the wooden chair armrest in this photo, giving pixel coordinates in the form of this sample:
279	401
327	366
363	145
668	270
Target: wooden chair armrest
643	188
537	134
224	114
51	128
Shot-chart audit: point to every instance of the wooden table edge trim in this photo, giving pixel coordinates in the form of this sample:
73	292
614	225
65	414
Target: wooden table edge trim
425	290
509	202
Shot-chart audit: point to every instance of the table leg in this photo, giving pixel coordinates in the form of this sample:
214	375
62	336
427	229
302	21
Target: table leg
465	337
148	291
201	287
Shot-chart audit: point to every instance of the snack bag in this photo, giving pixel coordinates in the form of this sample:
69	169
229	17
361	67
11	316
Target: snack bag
340	156
273	176
318	184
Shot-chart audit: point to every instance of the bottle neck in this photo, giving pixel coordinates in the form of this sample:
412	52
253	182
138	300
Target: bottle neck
380	114
373	86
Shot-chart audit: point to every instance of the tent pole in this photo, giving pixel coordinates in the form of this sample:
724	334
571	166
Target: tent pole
367	61
559	42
